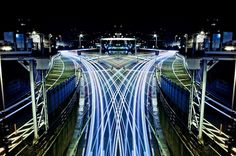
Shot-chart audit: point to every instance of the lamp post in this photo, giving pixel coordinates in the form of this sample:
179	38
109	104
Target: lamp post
155	36
49	42
80	36
41	43
186	43
176	38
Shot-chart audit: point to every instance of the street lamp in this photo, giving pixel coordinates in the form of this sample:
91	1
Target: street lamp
155	36
186	43
49	42
80	36
176	38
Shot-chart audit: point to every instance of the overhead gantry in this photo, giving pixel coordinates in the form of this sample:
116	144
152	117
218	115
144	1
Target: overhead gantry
118	39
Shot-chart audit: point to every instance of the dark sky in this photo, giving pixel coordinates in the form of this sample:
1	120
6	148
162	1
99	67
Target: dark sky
105	22
146	16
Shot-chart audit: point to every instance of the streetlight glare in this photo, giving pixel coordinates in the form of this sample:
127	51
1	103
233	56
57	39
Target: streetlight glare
80	36
155	36
202	33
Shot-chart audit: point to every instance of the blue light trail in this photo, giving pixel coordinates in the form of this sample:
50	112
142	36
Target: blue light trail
118	89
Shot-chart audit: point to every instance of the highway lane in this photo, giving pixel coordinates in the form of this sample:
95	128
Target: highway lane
118	88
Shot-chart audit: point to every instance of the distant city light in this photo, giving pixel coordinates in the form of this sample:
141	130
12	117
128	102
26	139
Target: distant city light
230	48
200	37
6	48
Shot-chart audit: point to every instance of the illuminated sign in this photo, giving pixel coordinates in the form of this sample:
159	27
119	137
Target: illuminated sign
227	37
9	37
20	41
216	41
200	38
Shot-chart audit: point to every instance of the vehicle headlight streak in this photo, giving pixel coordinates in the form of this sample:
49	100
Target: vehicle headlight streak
115	135
89	68
118	98
114	97
121	107
143	105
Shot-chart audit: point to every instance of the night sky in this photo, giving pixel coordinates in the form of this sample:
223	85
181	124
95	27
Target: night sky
145	16
147	23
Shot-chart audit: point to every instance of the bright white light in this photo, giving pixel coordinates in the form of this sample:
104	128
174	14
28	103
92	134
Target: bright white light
230	48
81	35
155	35
34	32
200	38
202	33
35	37
213	24
6	48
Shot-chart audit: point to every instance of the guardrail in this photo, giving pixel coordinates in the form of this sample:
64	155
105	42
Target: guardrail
212	129
57	95
51	63
176	94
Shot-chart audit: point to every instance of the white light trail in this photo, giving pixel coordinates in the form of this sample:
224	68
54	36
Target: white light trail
118	99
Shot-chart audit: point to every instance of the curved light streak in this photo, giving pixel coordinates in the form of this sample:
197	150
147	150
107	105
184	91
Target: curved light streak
118	105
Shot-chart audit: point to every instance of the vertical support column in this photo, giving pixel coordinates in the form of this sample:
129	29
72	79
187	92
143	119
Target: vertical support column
156	42
3	126
45	101
234	85
186	43
49	43
1	83
42	44
135	47
100	51
190	113
33	101
194	44
232	125
202	106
